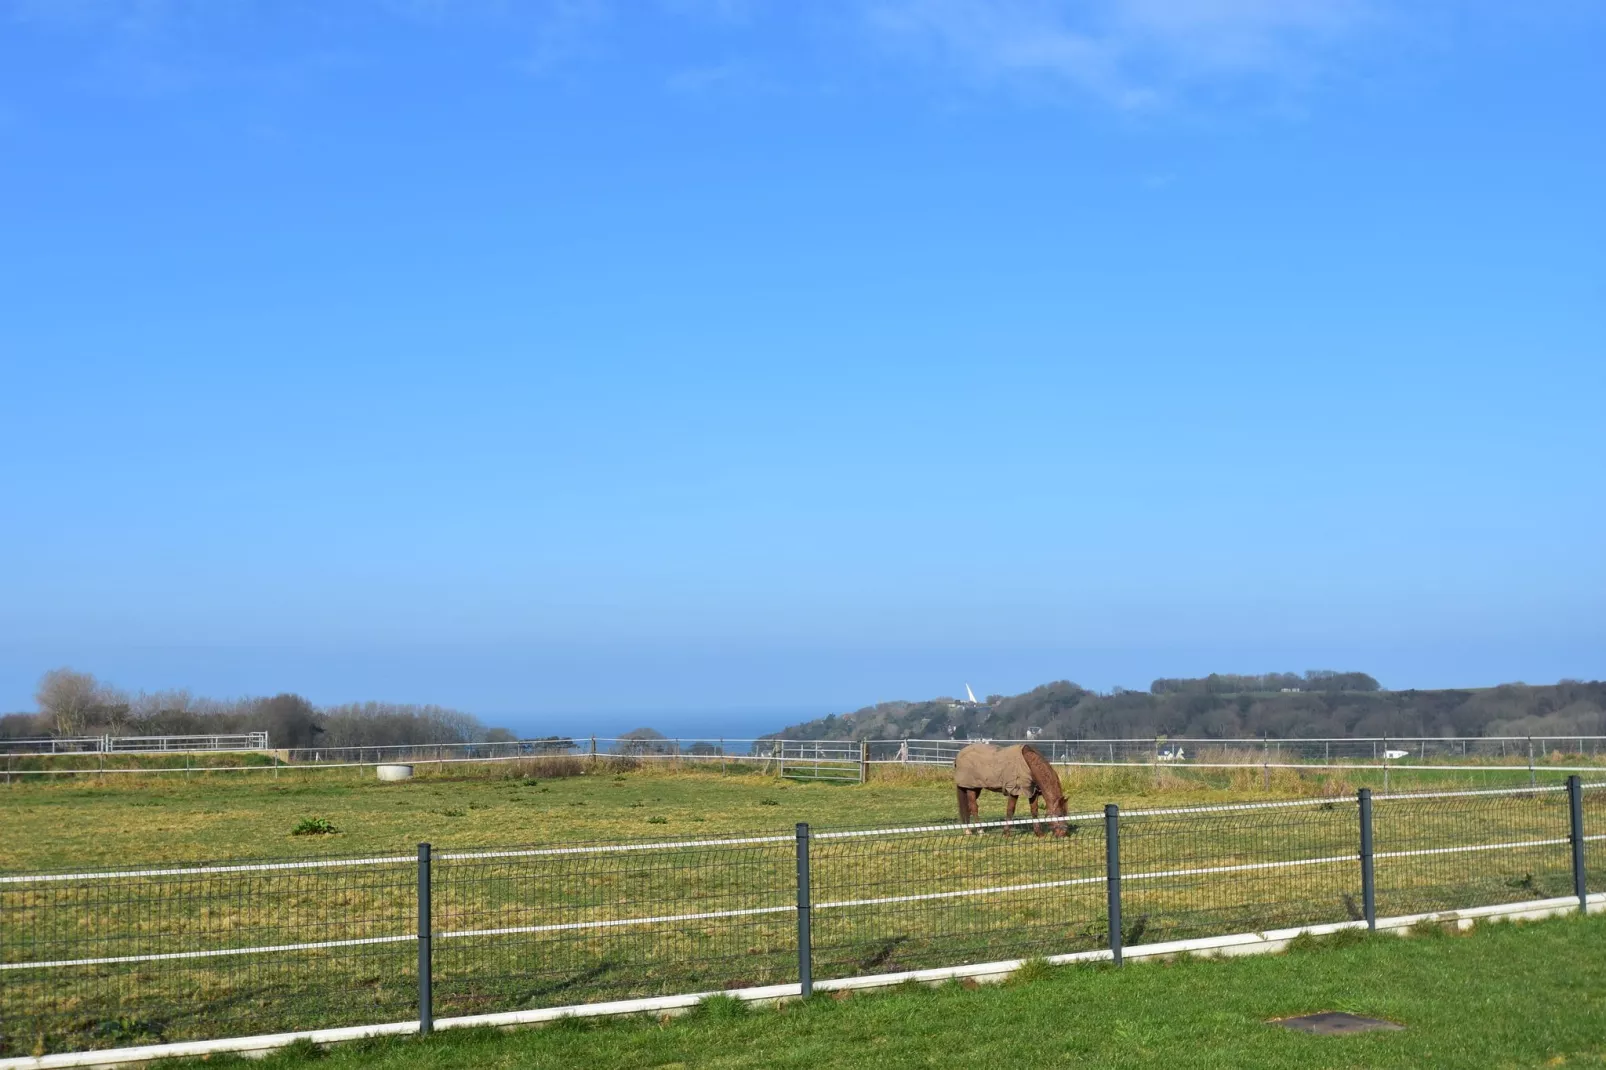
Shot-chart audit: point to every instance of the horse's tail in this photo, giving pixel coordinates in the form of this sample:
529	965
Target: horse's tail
1046	779
964	804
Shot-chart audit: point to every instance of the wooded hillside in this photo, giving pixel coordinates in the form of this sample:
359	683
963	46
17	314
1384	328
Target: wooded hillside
1235	707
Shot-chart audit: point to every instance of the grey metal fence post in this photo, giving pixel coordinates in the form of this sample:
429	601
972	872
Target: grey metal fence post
1575	801
1368	881
426	997
805	946
1112	876
1533	781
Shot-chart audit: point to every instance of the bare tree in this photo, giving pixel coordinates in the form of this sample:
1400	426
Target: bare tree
112	709
67	699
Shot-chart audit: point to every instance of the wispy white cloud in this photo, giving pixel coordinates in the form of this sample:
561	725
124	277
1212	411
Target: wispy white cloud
733	74
129	18
564	31
1129	53
734	12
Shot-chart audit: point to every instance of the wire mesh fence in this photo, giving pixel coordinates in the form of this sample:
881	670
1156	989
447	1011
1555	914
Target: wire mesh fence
1434	850
136	956
554	926
119	957
930	896
1188	750
797	759
1191	873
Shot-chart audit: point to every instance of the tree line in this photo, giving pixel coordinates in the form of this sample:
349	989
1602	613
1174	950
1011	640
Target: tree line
1204	708
1233	684
75	703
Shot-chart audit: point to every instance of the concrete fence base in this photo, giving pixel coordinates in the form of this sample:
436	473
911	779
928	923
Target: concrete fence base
1209	946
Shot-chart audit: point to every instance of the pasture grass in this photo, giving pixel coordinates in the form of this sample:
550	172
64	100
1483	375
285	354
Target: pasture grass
91	825
1502	995
134	821
115	820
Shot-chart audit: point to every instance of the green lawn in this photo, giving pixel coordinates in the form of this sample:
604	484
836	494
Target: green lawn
1502	996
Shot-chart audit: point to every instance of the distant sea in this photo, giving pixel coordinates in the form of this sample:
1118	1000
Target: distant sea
685	724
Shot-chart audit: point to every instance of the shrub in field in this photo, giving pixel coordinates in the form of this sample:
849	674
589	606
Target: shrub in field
552	767
314	826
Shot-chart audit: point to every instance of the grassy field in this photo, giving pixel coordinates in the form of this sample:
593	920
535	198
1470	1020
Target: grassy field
131	820
1057	904
1501	996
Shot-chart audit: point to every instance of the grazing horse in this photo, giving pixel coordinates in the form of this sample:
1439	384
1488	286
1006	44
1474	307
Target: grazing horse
1014	771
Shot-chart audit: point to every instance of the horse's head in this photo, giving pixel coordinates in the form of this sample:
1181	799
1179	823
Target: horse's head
1047	785
1058	808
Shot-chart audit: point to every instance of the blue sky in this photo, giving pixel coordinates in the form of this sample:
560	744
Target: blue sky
732	359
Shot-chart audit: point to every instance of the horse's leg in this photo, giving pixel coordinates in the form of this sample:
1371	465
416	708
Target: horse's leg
1009	812
1037	830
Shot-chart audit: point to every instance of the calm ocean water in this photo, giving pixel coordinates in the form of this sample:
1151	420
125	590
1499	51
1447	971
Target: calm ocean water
686	724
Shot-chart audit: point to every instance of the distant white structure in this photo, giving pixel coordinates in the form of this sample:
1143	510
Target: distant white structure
1393	754
1171	754
969	702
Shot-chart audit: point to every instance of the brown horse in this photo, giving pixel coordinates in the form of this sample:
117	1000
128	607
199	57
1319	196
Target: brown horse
1013	771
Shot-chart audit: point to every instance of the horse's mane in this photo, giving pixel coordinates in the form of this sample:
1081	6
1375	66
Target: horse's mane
1047	781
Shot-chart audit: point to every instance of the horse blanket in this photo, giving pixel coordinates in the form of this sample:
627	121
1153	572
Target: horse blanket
982	765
